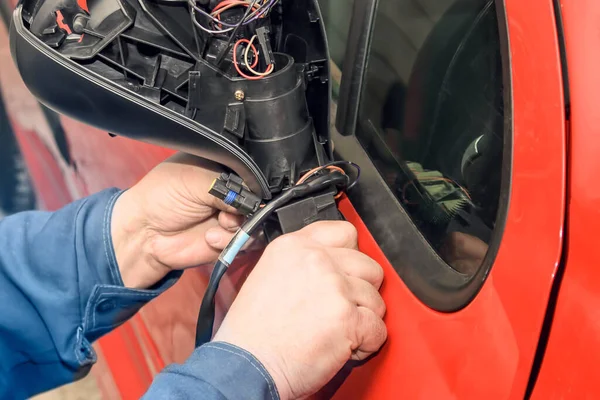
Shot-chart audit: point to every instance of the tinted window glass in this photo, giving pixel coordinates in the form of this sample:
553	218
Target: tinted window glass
432	119
431	115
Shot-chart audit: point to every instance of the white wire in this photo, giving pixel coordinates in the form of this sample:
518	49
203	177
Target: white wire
195	8
199	25
269	69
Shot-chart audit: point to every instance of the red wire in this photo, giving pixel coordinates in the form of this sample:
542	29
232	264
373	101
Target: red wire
237	67
228	2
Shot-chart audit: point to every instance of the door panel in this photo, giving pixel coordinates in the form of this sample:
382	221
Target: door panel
486	349
569	365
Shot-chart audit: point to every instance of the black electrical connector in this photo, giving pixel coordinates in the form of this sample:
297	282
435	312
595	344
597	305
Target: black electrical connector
230	188
302	213
265	44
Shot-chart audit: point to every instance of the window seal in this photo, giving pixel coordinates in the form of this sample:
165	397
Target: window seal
355	65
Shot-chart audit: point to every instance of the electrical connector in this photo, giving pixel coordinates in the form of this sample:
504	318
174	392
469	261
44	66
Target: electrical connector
230	188
265	44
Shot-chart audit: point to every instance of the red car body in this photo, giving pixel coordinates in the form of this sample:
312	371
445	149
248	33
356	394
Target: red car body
533	327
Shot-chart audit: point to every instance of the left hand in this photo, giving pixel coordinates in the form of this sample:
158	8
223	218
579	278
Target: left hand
168	221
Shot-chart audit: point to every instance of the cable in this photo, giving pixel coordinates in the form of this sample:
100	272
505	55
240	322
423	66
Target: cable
257	13
270	68
206	315
225	49
333	164
250	45
204	325
211	31
314	171
237	67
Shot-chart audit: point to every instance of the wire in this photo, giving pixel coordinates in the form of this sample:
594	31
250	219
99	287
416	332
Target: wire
227	4
270	68
211	31
257	13
248	47
206	315
205	323
334	164
237	67
225	49
260	13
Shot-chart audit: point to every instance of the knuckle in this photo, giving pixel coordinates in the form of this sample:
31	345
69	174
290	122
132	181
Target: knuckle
349	231
381	333
381	308
378	273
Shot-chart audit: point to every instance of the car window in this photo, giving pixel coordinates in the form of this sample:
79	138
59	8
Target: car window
431	116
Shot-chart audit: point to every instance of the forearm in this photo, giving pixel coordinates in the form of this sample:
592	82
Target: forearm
60	289
215	371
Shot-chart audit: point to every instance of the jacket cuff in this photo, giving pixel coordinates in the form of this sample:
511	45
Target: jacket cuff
230	370
108	304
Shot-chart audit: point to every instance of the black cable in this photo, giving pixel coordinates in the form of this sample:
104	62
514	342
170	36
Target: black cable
333	178
206	315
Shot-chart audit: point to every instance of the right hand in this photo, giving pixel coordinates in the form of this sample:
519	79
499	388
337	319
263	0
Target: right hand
310	305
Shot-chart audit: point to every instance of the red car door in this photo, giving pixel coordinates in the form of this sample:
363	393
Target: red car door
464	95
424	75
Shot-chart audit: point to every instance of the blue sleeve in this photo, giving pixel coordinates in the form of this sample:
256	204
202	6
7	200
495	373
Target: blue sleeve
60	289
215	371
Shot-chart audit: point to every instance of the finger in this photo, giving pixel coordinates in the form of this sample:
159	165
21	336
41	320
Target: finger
365	295
230	222
189	248
371	334
332	234
219	237
356	264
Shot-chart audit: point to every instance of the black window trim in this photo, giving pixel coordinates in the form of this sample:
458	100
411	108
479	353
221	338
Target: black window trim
431	279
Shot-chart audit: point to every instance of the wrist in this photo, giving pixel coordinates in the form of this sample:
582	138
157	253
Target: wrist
132	240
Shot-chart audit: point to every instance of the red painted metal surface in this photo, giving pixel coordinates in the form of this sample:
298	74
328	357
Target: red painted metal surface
487	349
483	351
569	368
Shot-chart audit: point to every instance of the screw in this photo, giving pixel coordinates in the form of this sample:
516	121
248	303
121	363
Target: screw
239	95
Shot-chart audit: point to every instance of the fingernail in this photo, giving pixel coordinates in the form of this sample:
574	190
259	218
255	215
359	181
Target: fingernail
212	237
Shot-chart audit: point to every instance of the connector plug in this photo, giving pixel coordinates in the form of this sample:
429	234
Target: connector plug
265	44
230	188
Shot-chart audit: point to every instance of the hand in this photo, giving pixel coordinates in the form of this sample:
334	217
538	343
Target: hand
169	221
310	304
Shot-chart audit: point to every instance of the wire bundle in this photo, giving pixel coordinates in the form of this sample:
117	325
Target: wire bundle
258	9
249	46
311	184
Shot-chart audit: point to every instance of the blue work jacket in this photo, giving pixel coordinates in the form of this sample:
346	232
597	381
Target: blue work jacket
60	290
